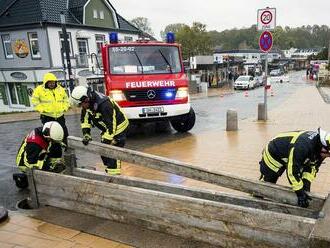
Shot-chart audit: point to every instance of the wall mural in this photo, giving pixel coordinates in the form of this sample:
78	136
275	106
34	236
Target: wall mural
21	49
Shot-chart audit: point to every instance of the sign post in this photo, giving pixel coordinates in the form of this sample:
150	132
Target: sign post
266	21
265	44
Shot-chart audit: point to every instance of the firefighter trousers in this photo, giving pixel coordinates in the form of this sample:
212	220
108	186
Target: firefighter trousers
119	141
267	174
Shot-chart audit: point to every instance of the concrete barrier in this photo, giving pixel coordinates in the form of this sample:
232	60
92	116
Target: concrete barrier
261	112
232	120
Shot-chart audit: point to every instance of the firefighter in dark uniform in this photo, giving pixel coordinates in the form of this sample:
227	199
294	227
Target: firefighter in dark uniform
104	113
301	154
41	149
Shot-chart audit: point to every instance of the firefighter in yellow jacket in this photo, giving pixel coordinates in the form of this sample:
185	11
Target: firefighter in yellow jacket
51	101
103	112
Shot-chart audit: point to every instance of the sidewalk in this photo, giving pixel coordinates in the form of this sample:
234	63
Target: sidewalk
20	231
229	152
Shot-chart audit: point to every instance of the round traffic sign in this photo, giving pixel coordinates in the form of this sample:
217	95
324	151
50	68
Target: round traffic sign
266	17
266	41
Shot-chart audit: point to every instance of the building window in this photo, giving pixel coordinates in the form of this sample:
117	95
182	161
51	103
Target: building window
100	40
102	14
62	43
128	38
83	52
34	45
17	94
8	50
95	16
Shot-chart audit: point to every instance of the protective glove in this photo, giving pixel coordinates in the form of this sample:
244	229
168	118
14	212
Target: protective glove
303	198
87	137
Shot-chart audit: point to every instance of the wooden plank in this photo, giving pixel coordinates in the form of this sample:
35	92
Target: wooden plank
205	194
320	237
32	188
207	215
267	190
251	238
69	161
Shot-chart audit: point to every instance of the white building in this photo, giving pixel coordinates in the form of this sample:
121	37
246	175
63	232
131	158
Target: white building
32	41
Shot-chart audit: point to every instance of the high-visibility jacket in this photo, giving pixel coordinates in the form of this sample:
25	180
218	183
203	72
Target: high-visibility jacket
299	151
50	102
32	150
35	150
105	114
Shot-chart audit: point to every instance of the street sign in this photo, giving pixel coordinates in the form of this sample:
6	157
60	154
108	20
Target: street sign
266	19
266	41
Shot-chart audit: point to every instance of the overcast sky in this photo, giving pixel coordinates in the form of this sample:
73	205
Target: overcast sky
223	14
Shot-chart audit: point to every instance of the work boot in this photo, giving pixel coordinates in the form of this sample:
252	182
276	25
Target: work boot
21	180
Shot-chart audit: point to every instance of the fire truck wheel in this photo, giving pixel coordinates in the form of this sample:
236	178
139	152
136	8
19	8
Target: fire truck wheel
184	122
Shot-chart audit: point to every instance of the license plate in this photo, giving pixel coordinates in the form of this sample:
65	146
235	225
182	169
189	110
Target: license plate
152	110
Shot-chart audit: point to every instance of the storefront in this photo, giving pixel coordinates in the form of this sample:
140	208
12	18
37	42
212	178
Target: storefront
16	88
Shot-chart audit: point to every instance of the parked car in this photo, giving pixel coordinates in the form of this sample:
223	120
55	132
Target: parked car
244	82
276	72
260	80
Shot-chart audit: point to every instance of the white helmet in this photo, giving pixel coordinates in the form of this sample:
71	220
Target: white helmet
53	130
324	138
78	94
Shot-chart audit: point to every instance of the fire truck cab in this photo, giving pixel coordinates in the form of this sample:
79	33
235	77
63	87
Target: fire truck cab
148	81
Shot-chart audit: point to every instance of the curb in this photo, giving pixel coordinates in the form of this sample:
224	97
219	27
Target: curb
3	214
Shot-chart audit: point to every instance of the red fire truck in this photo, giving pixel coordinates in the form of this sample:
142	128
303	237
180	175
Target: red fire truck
147	79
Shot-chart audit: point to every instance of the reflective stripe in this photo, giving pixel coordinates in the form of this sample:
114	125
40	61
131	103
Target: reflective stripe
40	164
107	136
296	185
22	168
270	161
310	176
287	134
294	139
114	121
20	152
26	162
122	126
113	171
294	135
86	123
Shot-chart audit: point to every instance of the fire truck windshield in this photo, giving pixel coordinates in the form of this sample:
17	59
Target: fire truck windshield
153	59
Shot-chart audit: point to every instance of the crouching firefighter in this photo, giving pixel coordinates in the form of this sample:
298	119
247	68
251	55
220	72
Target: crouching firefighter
41	149
104	113
301	154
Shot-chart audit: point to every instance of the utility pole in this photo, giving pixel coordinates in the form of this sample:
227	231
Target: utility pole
67	51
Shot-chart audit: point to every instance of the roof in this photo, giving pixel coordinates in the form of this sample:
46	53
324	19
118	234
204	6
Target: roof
18	12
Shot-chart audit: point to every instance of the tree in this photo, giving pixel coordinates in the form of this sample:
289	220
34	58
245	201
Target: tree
143	24
195	40
175	28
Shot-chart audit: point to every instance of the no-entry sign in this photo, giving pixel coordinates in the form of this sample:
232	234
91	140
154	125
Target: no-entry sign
266	41
266	19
